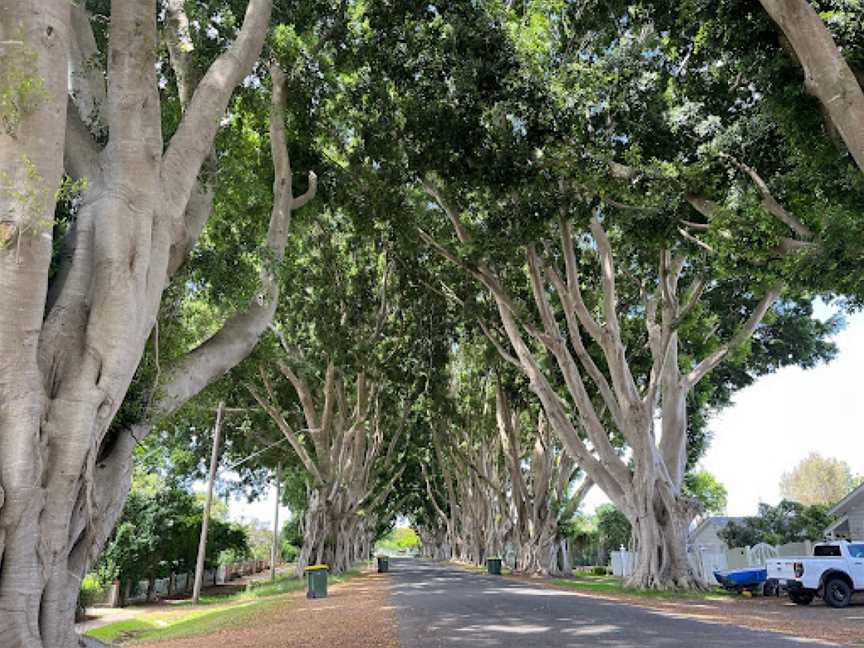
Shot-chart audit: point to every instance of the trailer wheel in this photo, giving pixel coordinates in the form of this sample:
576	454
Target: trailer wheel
837	592
801	598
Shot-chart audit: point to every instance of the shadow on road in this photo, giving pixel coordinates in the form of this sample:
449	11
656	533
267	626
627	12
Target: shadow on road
440	606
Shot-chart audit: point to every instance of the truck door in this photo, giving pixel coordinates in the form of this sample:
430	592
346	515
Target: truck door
856	559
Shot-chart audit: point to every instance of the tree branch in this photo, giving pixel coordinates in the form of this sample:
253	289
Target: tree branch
81	152
744	332
435	192
133	110
574	290
241	332
578	497
827	75
292	437
497	344
191	143
770	204
86	78
180	48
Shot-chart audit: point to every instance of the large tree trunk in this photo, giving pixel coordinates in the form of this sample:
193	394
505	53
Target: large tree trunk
660	525
328	536
68	351
539	553
345	439
434	543
31	159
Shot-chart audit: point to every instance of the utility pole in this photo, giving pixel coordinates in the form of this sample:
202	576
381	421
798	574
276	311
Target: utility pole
275	549
202	543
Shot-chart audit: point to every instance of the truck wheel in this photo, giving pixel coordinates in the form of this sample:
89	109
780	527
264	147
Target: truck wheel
837	593
801	598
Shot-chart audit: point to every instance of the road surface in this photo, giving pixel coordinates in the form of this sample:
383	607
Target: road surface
440	606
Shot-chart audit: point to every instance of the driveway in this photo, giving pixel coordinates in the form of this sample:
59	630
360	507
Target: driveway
440	606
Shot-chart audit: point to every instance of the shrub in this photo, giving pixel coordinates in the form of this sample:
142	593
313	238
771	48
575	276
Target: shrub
90	593
599	571
289	552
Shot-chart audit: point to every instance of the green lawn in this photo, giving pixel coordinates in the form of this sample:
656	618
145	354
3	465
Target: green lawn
614	585
214	613
479	569
176	624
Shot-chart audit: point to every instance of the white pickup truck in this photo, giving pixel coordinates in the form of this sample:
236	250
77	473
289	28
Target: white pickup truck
834	572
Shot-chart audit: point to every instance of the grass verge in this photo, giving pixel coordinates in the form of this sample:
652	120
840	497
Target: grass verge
176	624
477	569
215	613
614	585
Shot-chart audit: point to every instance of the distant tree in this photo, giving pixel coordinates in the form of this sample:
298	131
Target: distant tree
291	538
704	486
613	528
399	539
817	480
291	531
581	531
786	522
260	539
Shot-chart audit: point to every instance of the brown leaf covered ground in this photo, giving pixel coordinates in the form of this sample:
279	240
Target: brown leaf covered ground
357	614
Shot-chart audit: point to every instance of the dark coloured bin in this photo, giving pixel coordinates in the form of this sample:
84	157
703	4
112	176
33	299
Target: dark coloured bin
493	566
316	579
383	564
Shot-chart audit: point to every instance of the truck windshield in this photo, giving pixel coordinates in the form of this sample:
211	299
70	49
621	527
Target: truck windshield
826	550
856	550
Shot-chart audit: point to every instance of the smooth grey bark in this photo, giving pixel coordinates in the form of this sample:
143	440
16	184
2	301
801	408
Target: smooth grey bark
649	491
346	443
540	484
70	347
827	75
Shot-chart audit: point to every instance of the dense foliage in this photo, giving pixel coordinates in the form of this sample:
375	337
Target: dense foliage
158	535
776	525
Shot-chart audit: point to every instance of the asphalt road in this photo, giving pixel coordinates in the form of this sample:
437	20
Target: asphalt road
439	606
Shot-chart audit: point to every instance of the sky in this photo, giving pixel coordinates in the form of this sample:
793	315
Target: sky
240	510
783	417
769	428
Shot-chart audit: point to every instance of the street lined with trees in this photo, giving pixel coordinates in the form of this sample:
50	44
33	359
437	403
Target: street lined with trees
453	265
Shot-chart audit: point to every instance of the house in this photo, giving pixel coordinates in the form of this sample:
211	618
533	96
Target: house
704	537
850	517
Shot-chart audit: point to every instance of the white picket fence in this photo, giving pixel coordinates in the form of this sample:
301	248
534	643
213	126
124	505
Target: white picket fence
705	561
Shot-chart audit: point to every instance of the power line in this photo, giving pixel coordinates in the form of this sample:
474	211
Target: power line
263	450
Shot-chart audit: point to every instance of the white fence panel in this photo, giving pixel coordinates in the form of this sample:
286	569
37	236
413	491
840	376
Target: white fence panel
737	558
796	549
707	562
623	563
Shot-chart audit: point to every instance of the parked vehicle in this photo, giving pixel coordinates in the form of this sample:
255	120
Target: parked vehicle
834	573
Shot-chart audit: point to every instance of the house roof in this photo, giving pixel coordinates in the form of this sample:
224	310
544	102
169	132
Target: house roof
854	498
718	521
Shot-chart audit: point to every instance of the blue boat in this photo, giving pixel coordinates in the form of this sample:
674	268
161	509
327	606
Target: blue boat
740	579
